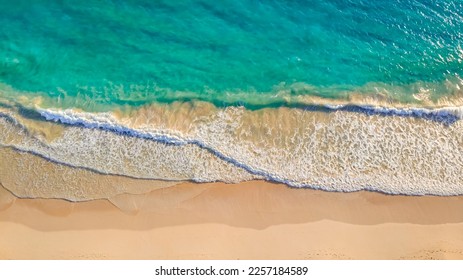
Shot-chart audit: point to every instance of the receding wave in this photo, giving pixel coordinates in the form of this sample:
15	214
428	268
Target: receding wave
391	150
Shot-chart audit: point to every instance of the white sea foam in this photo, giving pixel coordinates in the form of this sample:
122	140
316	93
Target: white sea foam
444	112
338	150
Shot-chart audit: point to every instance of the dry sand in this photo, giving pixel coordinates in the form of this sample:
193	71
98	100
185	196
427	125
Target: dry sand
252	220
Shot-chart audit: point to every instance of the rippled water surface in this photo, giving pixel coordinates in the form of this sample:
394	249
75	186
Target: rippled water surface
135	52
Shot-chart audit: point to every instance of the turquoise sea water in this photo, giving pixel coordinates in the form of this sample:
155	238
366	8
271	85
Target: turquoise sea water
228	52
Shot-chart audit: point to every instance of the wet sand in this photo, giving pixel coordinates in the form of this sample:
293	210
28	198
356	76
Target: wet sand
251	220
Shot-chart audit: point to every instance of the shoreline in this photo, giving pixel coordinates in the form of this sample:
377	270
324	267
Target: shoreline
335	151
234	221
127	218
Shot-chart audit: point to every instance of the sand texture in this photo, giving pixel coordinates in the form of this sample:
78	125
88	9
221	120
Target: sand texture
253	220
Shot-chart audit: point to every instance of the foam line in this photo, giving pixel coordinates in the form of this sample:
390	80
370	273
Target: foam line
446	115
107	122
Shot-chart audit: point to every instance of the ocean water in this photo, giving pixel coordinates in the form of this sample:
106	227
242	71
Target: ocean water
136	52
334	94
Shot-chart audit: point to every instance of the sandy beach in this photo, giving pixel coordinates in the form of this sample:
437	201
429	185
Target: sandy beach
252	220
232	130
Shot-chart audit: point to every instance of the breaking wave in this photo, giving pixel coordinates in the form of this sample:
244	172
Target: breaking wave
411	151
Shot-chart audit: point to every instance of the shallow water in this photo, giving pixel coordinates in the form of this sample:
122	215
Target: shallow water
335	151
